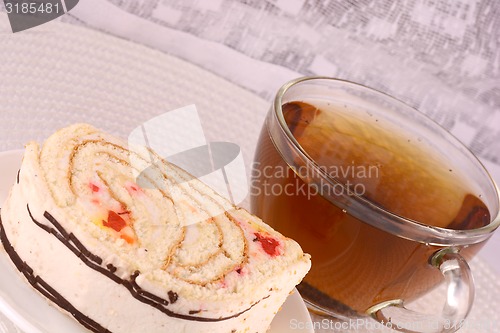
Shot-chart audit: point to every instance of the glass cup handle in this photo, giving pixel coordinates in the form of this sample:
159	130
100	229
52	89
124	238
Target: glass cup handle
460	295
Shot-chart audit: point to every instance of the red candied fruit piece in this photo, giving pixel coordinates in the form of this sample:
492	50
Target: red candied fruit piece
269	244
114	222
133	188
94	187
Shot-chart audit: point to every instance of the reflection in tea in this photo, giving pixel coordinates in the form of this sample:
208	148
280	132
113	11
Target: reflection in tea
355	263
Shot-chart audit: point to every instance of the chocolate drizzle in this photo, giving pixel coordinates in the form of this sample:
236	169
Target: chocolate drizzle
95	262
172	297
45	289
111	268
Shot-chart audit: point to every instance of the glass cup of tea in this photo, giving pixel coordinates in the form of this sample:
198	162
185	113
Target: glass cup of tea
387	202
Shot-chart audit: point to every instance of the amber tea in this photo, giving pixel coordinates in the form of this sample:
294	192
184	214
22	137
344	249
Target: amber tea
355	264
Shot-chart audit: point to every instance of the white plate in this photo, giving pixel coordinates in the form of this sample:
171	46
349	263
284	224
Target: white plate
33	314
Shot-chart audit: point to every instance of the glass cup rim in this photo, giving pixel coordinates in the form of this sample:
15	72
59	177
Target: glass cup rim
421	232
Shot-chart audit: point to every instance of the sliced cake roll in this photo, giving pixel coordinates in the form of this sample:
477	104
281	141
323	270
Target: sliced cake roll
123	250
